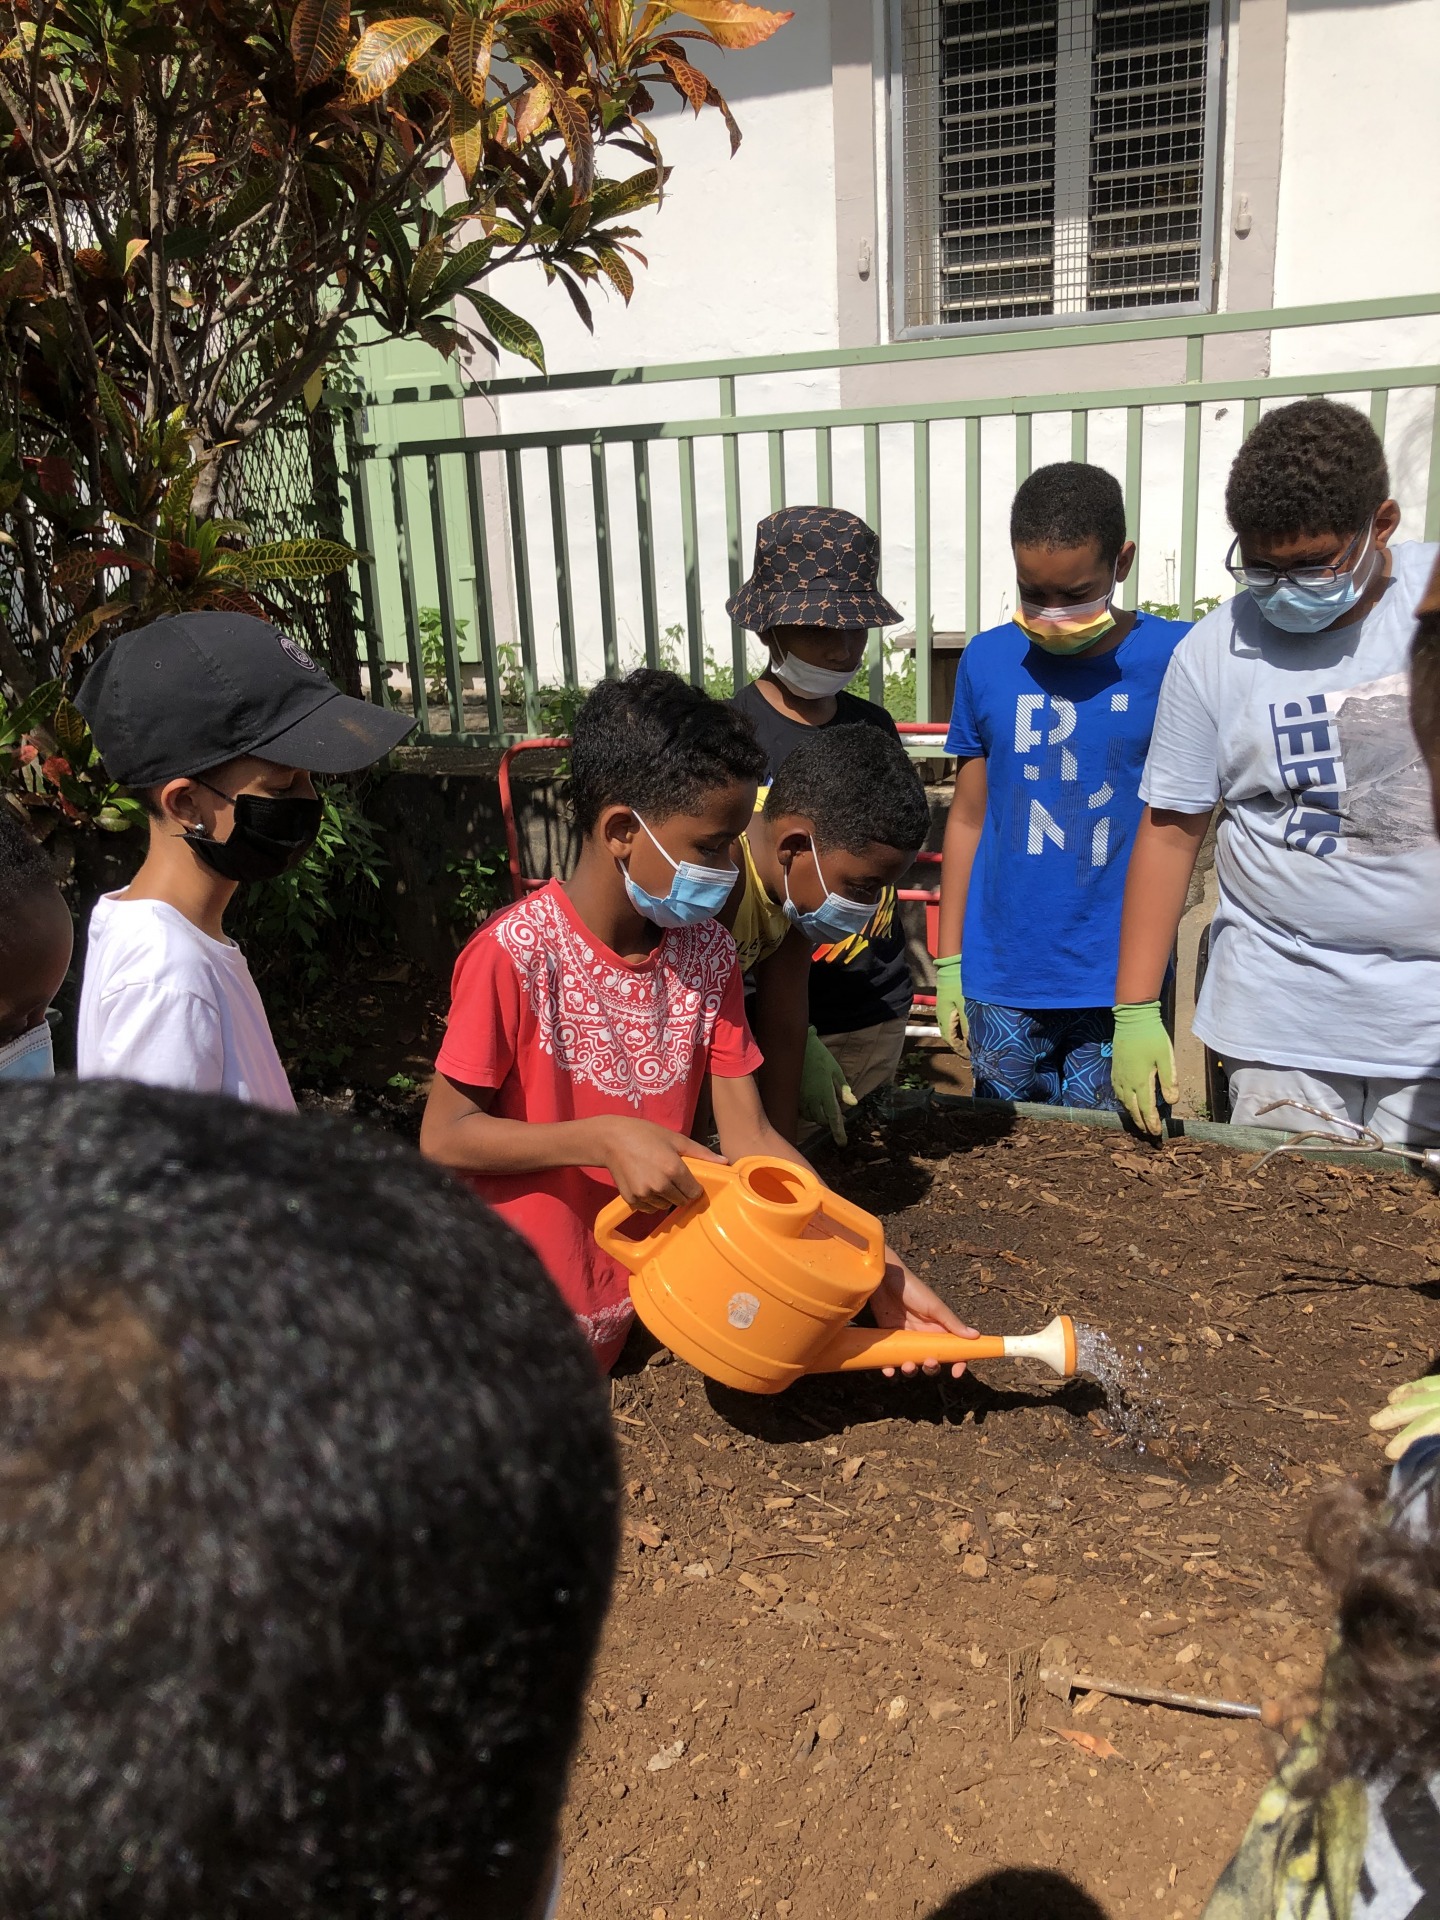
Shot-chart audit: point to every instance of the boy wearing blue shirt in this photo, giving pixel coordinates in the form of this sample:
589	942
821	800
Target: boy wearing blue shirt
1051	724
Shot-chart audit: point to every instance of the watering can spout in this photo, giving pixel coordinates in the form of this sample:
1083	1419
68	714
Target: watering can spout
863	1349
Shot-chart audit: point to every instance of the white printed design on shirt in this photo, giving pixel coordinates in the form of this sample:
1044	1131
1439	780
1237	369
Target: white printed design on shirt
1351	761
629	1031
608	1323
1042	828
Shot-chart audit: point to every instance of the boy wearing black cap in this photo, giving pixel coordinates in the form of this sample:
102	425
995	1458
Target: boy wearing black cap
217	721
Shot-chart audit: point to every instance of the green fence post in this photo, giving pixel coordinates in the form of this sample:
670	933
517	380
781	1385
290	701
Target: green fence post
923	621
560	535
484	597
1432	488
444	575
645	538
777	471
524	611
1024	431
600	494
731	446
1379	410
872	514
418	700
972	527
1190	477
690	535
1134	455
1251	417
1079	434
824	470
358	477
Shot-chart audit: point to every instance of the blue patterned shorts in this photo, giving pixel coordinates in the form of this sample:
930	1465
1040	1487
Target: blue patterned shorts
1056	1056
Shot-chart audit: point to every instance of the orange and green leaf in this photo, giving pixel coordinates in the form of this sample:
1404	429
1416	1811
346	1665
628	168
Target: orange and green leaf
384	51
471	43
319	33
734	24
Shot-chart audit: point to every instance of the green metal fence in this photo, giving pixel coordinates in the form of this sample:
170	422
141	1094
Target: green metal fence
470	531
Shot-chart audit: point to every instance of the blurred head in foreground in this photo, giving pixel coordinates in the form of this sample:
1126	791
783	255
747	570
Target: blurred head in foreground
306	1522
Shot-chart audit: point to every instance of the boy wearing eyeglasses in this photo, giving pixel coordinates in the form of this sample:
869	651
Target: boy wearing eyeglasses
1289	706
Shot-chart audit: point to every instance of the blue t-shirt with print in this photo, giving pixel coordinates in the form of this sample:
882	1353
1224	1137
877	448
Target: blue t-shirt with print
1064	744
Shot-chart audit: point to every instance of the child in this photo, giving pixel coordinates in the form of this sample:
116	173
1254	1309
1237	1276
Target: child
585	1020
217	721
812	596
1288	704
36	938
307	1539
1050	726
1349	1828
841	822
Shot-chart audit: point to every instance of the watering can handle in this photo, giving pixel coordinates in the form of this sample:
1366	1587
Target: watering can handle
616	1215
866	1228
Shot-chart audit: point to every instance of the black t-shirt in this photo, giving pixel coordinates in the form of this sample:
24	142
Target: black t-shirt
870	982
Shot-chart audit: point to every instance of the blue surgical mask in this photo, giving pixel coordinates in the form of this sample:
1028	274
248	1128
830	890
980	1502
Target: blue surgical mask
836	918
1297	609
696	893
30	1057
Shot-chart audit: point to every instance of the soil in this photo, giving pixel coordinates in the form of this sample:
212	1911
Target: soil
803	1705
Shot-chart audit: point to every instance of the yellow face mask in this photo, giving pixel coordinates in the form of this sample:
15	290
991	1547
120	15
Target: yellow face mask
1067	630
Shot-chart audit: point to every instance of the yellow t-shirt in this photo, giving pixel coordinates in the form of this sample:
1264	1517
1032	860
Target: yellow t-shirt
760	924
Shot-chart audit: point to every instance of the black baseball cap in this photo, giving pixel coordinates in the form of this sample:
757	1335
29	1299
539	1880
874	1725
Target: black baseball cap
196	689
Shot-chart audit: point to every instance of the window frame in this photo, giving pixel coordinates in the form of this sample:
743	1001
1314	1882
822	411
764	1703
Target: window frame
898	193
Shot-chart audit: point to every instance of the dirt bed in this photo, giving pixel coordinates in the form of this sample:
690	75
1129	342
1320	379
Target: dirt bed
802	1707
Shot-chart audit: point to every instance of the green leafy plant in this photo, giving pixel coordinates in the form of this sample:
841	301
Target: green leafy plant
287	923
1170	609
433	654
482	885
202	198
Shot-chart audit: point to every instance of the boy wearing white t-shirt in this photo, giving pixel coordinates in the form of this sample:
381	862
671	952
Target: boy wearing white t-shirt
217	720
1289	705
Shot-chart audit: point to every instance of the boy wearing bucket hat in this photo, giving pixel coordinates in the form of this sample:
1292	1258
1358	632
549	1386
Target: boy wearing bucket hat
813	595
217	721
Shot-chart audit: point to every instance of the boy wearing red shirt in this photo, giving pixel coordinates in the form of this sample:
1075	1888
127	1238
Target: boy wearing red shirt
585	1019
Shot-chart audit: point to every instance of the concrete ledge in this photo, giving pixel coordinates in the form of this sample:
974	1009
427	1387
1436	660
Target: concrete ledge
900	1103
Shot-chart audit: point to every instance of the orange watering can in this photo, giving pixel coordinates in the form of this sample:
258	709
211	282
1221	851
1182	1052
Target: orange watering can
756	1282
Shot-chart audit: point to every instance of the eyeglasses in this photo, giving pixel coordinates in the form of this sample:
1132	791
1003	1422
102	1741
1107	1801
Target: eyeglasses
1267	577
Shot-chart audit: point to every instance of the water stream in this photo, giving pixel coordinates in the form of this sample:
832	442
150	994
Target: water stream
1131	1402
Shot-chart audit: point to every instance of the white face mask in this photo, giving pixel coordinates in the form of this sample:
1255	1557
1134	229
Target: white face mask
30	1057
812	683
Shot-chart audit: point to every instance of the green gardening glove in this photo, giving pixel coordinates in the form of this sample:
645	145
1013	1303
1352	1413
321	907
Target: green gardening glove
1414	1409
950	1003
822	1089
1142	1054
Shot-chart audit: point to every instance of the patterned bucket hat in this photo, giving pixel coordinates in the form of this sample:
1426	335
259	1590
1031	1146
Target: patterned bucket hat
814	567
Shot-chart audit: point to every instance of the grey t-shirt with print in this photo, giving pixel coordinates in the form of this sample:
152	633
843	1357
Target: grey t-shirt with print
1325	951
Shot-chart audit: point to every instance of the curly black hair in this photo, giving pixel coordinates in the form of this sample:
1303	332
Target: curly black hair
1069	504
24	865
654	742
1313	468
308	1521
856	785
1382	1680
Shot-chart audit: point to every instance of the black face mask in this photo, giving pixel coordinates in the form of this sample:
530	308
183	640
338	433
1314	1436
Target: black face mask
271	834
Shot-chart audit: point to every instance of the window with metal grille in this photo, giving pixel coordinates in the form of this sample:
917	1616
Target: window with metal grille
1056	156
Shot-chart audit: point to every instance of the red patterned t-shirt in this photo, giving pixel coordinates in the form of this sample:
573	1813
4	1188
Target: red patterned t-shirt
563	1029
